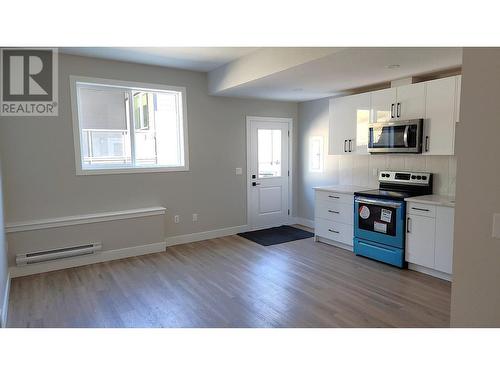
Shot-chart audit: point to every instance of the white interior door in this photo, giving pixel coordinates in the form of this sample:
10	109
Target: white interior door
268	169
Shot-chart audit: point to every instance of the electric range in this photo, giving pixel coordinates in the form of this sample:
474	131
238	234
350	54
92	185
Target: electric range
380	215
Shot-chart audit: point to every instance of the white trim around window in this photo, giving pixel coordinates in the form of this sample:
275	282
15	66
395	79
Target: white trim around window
131	86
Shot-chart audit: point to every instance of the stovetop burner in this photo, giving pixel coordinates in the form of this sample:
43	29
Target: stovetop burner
388	194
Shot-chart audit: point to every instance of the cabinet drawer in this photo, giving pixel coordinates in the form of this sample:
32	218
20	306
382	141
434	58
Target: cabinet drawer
419	209
334	231
335	211
334	197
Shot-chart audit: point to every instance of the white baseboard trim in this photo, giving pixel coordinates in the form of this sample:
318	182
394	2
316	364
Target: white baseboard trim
430	271
4	312
101	256
208	235
305	222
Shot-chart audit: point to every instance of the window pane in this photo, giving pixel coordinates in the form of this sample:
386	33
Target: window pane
116	120
166	122
109	147
269	152
102	108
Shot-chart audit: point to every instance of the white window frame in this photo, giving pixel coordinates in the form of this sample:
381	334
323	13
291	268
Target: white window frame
133	86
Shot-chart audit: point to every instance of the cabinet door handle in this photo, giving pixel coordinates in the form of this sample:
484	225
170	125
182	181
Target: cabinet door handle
333	231
333	196
333	212
408	222
350	145
345	145
398	110
426	143
420	209
392	110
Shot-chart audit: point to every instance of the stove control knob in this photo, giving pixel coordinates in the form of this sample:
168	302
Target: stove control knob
419	177
413	177
424	178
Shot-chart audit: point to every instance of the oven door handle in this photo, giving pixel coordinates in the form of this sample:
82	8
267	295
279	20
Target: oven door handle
405	137
379	202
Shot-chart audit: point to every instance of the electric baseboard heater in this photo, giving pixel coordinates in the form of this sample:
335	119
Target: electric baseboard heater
60	253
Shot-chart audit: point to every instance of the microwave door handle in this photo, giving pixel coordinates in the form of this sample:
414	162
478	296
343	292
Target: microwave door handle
405	137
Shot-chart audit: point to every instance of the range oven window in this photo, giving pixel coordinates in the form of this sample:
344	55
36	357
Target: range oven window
394	136
377	218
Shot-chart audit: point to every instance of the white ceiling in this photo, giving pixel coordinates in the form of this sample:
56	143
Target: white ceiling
348	69
202	59
342	70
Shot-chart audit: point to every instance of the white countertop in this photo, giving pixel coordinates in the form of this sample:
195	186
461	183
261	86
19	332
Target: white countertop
342	189
434	199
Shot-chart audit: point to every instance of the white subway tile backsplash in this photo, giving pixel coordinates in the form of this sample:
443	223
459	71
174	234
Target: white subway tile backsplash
359	170
376	164
440	167
452	175
415	163
395	162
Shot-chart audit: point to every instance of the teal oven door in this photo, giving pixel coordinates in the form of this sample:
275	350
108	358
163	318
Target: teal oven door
380	221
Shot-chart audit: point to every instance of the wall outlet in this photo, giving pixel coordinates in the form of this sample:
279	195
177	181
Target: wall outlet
177	219
496	226
195	217
239	171
375	172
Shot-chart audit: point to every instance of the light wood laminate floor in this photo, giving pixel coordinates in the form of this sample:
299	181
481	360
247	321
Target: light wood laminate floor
232	282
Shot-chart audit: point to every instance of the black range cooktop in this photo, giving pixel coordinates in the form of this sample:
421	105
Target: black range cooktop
386	194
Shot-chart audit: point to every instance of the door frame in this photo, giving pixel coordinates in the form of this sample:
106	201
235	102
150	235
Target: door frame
289	120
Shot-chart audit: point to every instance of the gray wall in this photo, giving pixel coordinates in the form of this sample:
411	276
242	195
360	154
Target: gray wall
313	121
356	170
39	169
476	259
3	249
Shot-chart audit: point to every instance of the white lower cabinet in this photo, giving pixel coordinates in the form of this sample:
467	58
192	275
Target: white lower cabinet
444	239
429	237
420	240
334	219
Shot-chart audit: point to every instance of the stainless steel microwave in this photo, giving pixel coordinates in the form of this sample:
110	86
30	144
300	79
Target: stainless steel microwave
396	137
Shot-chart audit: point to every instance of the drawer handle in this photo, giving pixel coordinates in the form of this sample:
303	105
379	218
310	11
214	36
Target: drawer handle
333	231
333	212
420	209
333	196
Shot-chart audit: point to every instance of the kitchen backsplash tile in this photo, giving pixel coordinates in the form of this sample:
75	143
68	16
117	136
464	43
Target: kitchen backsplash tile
360	170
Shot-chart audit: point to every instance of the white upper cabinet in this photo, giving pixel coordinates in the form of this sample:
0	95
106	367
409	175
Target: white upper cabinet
410	102
436	101
349	119
398	103
383	105
440	117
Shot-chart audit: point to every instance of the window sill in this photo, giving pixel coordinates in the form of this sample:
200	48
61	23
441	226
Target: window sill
86	172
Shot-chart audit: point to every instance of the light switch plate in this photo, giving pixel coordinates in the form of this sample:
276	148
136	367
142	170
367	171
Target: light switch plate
496	225
239	171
